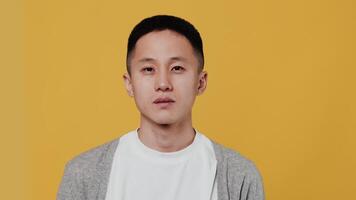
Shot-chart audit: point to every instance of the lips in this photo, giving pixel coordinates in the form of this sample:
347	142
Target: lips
163	100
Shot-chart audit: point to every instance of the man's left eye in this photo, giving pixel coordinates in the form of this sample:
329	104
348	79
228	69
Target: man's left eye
177	68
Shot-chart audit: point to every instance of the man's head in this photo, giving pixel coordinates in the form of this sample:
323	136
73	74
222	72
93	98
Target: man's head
165	70
166	22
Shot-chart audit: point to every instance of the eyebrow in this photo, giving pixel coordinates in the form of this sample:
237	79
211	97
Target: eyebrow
176	58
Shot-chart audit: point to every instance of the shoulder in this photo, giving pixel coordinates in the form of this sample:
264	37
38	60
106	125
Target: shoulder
92	158
240	173
86	170
235	163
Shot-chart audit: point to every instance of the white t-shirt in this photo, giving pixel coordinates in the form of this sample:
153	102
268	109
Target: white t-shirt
141	173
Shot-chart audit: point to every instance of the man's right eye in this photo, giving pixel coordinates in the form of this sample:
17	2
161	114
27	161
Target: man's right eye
147	69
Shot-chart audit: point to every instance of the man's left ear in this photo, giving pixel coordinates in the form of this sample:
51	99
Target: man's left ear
203	80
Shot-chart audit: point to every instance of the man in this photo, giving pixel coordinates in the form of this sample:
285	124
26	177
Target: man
165	158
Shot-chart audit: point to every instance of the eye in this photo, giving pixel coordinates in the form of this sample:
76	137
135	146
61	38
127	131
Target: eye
177	68
147	69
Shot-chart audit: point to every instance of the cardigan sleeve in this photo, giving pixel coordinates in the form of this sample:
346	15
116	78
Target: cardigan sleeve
244	179
71	186
254	185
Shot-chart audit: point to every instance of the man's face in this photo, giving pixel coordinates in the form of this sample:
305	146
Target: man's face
164	77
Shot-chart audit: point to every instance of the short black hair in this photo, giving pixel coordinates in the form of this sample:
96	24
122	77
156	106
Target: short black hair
164	22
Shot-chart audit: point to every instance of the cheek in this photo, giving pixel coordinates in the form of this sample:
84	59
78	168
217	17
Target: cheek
187	90
142	94
141	86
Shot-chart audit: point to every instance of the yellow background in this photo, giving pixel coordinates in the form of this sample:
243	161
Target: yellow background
281	88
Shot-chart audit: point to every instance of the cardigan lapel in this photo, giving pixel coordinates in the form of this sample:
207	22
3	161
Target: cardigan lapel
221	172
104	168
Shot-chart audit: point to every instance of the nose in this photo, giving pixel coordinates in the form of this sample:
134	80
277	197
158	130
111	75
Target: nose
163	82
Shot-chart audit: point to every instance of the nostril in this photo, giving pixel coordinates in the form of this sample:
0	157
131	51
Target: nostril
164	85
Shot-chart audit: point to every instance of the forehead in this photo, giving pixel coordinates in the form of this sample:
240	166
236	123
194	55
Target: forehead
163	34
163	42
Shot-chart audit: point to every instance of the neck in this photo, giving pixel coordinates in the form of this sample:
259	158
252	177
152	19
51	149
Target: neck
166	137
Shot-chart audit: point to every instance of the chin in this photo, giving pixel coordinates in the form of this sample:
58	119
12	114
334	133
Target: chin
162	118
164	122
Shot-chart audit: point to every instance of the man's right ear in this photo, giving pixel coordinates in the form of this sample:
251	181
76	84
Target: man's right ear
128	84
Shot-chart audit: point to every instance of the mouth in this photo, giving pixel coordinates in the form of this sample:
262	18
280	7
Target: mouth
164	101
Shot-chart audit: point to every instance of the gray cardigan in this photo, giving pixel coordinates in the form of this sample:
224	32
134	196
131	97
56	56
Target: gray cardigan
86	175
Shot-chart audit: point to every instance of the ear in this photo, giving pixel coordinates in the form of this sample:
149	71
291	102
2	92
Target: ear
128	84
203	81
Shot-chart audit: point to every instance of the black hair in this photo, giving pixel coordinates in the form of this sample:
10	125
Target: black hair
164	22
